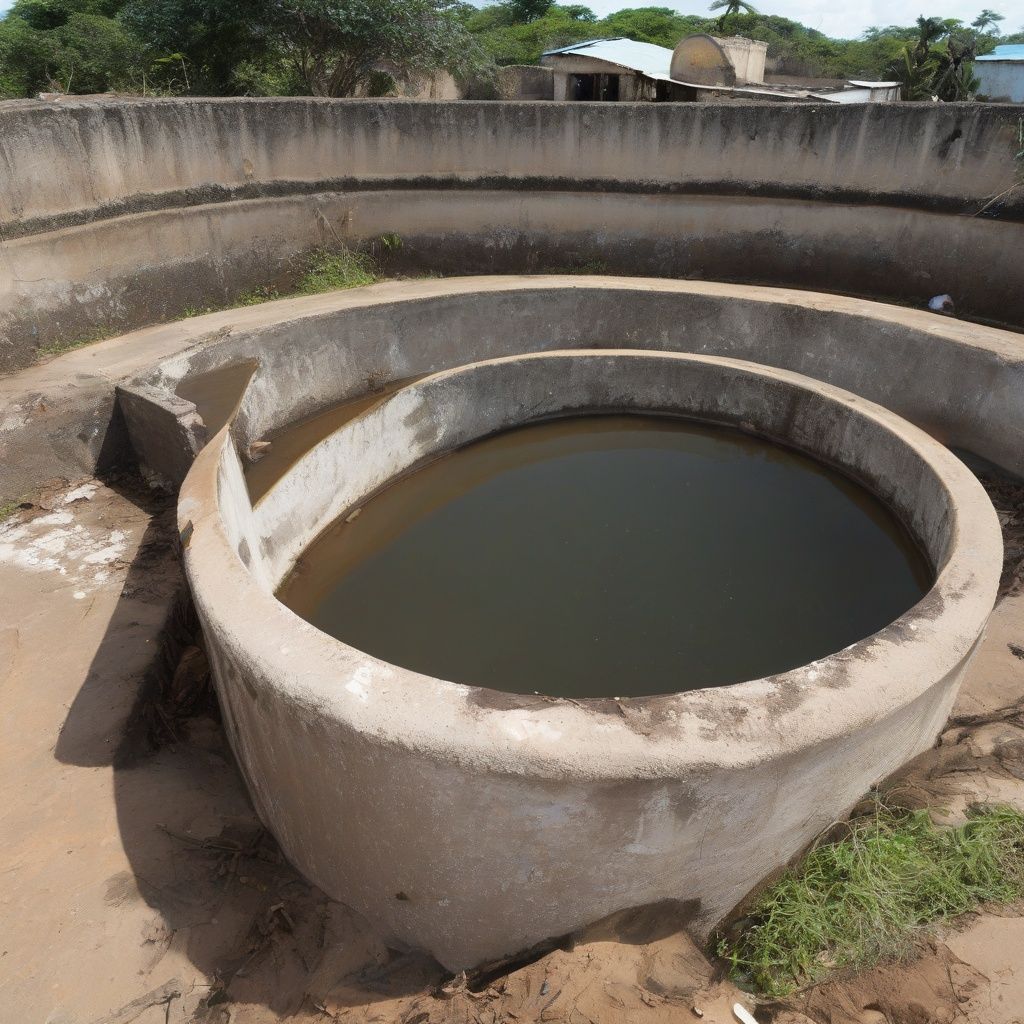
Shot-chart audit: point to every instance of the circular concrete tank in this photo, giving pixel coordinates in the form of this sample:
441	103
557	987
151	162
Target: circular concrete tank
474	823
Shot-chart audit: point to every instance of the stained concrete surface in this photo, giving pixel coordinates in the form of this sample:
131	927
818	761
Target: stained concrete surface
154	206
132	908
133	872
601	808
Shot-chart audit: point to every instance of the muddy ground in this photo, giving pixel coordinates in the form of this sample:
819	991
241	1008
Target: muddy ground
139	886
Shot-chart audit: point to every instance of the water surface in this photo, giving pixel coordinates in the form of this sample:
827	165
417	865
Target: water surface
606	556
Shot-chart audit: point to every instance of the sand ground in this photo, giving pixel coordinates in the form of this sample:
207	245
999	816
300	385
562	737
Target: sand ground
137	884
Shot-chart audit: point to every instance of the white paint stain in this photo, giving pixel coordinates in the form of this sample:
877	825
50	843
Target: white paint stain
55	543
83	493
656	830
358	684
531	728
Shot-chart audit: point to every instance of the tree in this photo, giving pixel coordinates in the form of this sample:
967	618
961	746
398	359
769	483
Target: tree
659	25
731	8
212	37
510	43
579	12
928	70
524	11
987	20
954	78
337	46
68	45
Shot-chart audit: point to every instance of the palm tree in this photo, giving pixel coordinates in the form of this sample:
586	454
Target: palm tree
987	19
731	8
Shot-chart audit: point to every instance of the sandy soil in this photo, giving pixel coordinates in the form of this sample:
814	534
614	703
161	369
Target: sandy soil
138	885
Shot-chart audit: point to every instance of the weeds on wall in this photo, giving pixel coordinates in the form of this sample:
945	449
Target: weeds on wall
1018	174
866	898
330	269
59	348
323	270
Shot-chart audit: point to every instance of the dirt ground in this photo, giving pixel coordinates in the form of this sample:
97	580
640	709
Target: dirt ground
138	886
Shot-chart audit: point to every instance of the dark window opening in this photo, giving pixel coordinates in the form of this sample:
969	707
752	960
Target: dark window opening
594	87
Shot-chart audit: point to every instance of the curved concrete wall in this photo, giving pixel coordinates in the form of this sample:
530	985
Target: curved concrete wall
875	200
963	383
473	823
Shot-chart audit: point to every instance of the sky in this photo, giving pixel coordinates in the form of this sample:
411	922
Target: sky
839	20
843	21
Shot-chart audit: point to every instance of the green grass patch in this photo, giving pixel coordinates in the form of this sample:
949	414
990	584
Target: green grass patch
7	509
324	270
865	898
330	269
59	348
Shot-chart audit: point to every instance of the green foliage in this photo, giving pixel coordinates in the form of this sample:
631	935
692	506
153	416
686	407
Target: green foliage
940	62
331	269
864	899
336	46
323	270
67	45
798	50
731	9
528	10
59	348
659	25
508	42
370	47
987	20
212	40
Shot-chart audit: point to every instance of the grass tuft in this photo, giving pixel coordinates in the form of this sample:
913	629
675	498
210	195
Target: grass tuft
59	348
331	269
324	270
864	899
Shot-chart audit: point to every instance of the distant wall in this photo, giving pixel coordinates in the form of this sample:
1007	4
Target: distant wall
120	213
525	82
1002	81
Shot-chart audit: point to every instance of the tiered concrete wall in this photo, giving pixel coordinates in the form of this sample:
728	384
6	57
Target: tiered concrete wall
475	824
117	214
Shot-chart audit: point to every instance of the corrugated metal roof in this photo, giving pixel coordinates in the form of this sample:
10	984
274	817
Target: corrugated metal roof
872	85
1007	51
648	59
656	62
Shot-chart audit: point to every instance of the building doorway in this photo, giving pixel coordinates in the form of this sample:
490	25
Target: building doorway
594	87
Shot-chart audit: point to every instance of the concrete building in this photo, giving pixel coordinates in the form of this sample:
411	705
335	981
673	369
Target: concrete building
610	69
1000	74
708	60
701	67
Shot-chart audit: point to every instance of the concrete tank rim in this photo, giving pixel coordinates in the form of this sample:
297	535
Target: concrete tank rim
518	740
195	332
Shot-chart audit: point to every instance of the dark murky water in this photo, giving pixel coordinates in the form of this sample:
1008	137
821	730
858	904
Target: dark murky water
611	556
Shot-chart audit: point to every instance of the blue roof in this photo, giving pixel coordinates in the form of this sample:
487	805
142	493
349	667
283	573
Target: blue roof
1007	51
